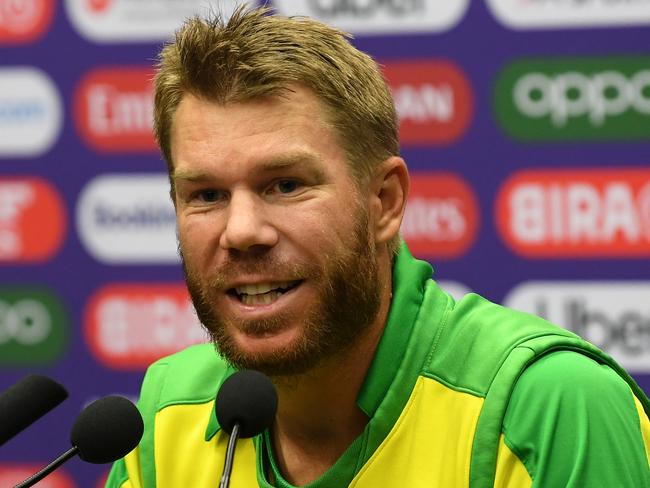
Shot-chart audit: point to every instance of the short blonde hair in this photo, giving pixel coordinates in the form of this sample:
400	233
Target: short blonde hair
255	54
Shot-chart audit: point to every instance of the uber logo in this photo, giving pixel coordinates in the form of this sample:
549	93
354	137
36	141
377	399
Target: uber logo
613	315
366	7
380	16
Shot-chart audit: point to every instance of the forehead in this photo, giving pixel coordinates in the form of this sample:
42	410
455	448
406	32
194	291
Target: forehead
206	131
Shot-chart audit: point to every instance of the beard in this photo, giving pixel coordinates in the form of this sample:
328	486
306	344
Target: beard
348	300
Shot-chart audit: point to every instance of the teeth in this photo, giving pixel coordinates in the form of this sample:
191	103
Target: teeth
259	288
262	299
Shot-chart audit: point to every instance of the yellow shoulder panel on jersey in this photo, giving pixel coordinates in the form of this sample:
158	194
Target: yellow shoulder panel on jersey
196	463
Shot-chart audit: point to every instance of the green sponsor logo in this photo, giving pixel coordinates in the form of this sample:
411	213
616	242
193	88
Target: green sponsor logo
33	327
575	99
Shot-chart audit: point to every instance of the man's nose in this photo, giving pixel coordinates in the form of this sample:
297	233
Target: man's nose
247	225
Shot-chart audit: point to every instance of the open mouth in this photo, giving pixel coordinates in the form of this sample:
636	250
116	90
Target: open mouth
262	293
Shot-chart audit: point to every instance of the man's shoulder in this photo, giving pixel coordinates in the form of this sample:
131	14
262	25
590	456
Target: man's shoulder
480	340
566	410
188	376
479	312
572	379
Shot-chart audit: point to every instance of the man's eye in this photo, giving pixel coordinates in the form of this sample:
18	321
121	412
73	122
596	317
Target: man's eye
286	186
208	196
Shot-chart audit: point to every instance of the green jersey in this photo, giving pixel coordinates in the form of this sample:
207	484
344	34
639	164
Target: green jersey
459	394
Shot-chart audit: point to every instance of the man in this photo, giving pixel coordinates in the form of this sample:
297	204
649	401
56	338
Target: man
281	145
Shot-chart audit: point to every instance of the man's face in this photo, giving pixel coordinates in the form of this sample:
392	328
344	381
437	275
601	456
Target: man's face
274	233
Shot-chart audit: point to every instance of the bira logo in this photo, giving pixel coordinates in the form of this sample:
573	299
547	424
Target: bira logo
539	14
575	99
12	474
380	16
33	326
433	99
114	110
32	220
576	213
613	315
442	218
128	218
128	326
24	21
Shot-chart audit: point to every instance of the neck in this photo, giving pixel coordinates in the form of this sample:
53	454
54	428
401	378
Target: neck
318	417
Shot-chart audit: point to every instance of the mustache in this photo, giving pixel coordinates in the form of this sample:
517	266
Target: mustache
267	265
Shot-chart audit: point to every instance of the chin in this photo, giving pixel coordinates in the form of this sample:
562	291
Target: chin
272	356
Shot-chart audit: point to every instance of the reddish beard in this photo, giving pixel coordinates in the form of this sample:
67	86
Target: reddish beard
347	304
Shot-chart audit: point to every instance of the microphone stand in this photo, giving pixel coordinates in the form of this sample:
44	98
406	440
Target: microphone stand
35	478
230	456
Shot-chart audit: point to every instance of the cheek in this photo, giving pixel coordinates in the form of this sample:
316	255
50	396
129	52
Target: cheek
322	234
195	237
309	228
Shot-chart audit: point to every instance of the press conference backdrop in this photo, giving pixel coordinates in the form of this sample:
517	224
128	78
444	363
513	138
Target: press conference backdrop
525	124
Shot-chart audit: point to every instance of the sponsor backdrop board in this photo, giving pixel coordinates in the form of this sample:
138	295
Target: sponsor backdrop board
526	125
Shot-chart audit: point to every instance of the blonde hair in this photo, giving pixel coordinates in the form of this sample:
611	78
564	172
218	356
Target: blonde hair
254	55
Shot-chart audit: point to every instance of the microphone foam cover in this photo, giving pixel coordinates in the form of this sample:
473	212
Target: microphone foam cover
25	402
247	397
107	430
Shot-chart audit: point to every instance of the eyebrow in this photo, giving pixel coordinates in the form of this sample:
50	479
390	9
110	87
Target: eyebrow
298	159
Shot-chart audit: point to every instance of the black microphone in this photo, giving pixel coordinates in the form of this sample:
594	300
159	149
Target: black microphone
27	401
245	405
105	431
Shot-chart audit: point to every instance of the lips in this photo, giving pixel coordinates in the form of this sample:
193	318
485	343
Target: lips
263	293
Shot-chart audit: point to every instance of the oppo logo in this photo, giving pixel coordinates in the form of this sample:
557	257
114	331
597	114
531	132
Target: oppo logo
24	21
575	99
120	21
380	16
26	322
128	326
31	114
574	94
33	327
613	315
441	218
433	99
537	14
576	213
33	220
127	218
114	110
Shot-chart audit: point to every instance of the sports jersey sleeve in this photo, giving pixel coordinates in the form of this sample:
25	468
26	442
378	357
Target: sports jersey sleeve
573	422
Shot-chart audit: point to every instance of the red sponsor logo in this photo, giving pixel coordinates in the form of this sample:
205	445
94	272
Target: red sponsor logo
433	99
23	21
576	213
98	6
128	326
441	218
12	474
114	110
32	220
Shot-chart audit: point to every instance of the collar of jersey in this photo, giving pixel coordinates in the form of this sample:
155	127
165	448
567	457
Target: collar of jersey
409	279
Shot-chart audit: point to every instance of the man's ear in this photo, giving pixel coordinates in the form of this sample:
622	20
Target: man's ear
389	189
